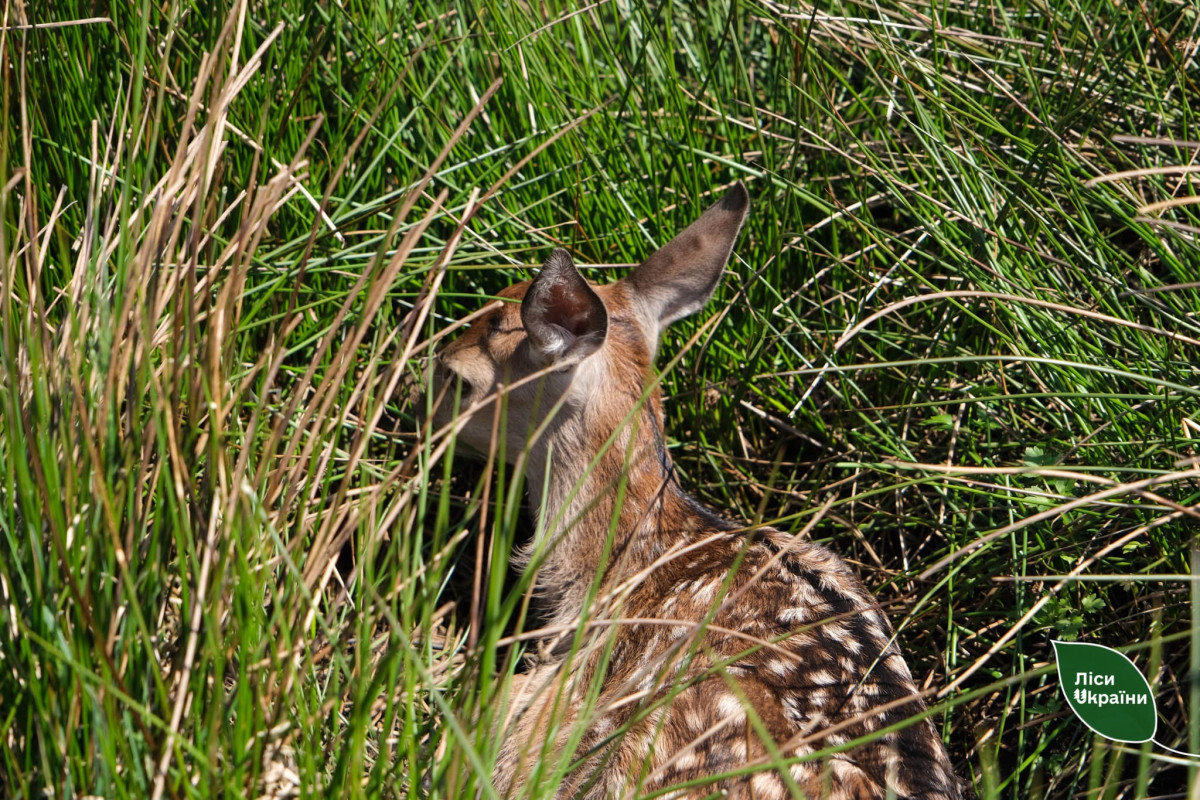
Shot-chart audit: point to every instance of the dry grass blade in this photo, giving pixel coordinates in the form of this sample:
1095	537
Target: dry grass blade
1163	205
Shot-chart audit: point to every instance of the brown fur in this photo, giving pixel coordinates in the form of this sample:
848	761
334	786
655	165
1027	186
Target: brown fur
705	649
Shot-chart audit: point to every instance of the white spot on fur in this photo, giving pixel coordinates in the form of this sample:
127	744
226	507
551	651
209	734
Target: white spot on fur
800	751
803	773
843	771
686	760
737	749
791	707
766	785
704	591
822	678
792	616
780	667
729	707
836	631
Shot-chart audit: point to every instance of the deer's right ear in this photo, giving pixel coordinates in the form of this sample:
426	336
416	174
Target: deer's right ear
678	279
563	317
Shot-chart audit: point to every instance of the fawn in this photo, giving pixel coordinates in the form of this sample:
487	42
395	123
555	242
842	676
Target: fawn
696	652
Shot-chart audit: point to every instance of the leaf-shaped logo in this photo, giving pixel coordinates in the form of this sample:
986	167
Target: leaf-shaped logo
1106	691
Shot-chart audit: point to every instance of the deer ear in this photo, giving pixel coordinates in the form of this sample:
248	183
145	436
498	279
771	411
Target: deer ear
562	316
678	279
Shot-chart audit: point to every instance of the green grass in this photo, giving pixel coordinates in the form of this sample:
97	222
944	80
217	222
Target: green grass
948	313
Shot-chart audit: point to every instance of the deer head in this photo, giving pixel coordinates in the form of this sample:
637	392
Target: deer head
561	354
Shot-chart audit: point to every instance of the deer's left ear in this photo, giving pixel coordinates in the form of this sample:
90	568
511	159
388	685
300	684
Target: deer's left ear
678	279
563	317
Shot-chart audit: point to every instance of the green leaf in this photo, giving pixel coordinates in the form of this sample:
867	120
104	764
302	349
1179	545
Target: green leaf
1037	457
1106	691
1063	486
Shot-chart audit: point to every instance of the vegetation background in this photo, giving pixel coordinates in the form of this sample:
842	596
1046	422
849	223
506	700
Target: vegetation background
964	309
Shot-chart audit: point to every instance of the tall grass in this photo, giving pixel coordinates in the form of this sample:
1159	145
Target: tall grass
964	311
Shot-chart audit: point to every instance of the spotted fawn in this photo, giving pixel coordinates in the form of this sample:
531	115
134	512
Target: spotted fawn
685	655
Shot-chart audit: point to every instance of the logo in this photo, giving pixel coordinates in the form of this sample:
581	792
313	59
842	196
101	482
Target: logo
1106	691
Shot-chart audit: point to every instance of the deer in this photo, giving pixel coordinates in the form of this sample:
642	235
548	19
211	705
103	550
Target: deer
687	655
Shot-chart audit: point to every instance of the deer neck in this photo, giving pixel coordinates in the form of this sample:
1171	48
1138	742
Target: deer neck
602	519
